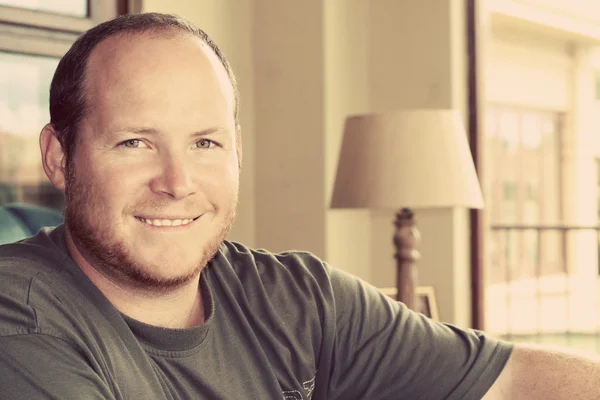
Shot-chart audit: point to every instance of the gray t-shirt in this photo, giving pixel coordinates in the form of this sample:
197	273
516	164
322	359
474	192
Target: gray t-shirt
278	326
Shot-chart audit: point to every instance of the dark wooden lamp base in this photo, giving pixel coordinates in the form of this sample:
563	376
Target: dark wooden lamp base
406	240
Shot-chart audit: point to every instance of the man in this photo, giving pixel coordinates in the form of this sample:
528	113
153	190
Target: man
138	296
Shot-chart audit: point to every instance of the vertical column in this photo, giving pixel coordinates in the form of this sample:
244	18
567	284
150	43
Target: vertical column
289	123
346	29
581	163
417	59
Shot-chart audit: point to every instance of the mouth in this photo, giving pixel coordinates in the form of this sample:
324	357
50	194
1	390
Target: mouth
167	222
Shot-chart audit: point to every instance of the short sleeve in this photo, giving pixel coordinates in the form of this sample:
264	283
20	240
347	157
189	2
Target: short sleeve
383	350
37	366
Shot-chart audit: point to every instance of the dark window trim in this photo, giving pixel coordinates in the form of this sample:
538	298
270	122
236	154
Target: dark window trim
46	20
34	41
98	11
46	34
473	129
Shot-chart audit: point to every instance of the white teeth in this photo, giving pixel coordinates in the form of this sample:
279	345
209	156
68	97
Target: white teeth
166	222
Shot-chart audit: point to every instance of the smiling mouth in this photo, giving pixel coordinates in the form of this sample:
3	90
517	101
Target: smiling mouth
167	222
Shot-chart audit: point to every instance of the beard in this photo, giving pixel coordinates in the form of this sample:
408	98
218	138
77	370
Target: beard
102	249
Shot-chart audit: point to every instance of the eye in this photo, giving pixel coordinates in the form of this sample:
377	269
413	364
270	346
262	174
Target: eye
205	144
132	143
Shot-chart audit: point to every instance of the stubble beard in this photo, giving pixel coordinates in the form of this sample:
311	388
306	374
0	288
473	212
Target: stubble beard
109	256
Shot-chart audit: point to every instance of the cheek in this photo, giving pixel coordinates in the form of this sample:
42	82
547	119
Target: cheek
220	182
114	187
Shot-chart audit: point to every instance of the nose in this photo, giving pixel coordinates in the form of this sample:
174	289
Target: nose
175	178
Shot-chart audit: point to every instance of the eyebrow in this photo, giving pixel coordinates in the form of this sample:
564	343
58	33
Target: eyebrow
156	132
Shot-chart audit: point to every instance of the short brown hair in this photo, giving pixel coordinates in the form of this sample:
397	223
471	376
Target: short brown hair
68	102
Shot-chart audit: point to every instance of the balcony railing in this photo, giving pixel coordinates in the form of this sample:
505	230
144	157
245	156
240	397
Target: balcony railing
542	284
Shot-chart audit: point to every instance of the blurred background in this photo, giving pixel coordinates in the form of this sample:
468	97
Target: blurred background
524	74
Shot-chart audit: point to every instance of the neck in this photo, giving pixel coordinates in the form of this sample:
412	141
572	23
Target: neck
177	309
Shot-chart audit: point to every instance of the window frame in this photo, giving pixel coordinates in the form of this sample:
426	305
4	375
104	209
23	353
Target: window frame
98	11
48	34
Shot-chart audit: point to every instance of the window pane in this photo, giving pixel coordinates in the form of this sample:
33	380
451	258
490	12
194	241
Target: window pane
24	85
524	168
530	169
77	8
508	177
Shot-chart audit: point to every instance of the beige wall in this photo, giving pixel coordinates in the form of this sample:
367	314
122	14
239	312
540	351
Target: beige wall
578	19
584	10
303	67
290	122
347	63
544	64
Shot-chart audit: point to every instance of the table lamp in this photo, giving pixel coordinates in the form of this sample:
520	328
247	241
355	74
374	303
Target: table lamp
406	160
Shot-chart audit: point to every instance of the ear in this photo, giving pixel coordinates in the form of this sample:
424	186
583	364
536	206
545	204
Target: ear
238	144
53	157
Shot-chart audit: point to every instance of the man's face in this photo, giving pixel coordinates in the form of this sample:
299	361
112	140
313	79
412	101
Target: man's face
153	187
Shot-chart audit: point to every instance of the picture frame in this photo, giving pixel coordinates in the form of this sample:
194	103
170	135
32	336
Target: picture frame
426	300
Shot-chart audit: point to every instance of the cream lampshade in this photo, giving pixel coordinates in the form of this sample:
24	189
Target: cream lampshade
408	159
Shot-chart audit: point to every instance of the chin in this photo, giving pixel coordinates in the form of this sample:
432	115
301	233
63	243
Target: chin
161	274
171	267
169	262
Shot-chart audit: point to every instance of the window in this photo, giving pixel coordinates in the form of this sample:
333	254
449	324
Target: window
76	8
34	34
524	172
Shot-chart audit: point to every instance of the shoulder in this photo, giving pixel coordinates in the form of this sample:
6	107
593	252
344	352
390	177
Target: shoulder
298	273
287	282
44	251
27	265
296	266
39	290
23	282
289	293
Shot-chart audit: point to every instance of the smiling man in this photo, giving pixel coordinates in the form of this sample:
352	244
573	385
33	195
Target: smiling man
152	181
139	296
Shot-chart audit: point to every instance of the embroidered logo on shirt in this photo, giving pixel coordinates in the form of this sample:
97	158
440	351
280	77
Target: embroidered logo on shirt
292	395
308	386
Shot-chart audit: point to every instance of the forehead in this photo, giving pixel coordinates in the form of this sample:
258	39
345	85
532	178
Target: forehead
143	73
